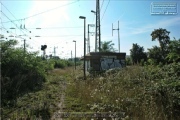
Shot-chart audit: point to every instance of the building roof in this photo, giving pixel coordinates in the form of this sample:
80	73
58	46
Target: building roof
97	55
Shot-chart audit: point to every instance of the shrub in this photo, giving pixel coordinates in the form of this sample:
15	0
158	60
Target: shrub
148	92
21	72
128	61
70	63
166	88
60	64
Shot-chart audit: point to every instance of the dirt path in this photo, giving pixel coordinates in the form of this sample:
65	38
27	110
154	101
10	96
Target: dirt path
61	106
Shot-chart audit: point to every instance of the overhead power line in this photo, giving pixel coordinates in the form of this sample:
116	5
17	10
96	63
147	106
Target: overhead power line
9	11
56	27
14	24
43	12
15	18
58	36
11	21
102	5
105	10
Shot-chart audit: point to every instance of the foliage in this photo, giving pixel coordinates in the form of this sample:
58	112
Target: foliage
128	61
21	72
60	63
107	46
148	92
158	54
174	51
168	51
40	104
155	54
162	35
166	88
137	53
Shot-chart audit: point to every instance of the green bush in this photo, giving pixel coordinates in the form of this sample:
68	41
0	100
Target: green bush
59	63
128	61
166	87
21	72
70	63
141	92
142	62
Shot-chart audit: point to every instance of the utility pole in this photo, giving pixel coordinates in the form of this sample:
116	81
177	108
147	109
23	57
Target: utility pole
55	50
84	18
24	45
71	55
84	48
118	35
88	50
98	27
75	54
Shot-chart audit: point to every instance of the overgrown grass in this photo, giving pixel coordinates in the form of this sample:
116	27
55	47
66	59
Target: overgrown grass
142	93
135	92
40	104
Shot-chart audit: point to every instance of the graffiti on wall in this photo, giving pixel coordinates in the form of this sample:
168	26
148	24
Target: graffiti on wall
109	62
104	63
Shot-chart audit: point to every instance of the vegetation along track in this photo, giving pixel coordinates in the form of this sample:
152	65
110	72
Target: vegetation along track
57	115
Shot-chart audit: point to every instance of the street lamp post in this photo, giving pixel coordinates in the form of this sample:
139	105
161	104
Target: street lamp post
82	17
75	54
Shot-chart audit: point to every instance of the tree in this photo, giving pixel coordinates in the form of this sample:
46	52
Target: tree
174	51
107	46
128	61
155	54
137	53
162	35
21	71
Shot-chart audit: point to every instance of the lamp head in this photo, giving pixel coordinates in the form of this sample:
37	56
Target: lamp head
93	11
82	17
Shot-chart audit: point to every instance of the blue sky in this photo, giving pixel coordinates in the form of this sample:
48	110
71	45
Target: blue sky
60	26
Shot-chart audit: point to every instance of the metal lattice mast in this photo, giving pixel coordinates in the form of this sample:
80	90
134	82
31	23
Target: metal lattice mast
88	40
98	29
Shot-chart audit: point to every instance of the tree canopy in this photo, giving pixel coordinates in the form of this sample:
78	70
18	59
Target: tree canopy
168	50
107	46
162	35
174	51
137	53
